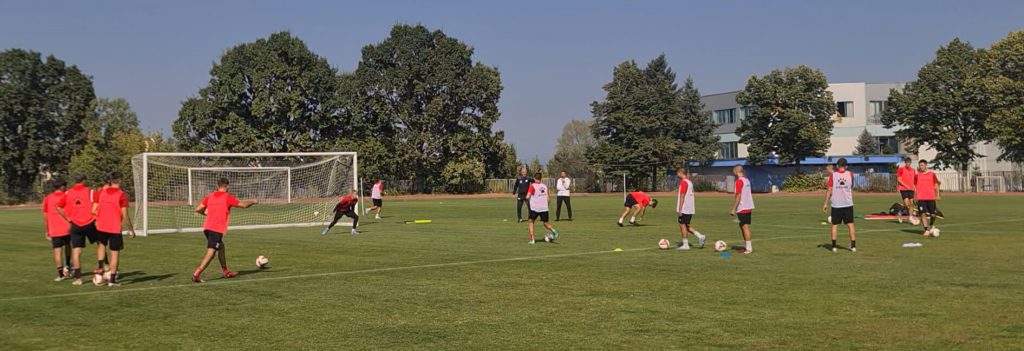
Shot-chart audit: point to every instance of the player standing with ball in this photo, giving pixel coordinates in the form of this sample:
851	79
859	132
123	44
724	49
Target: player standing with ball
743	206
217	209
537	194
840	196
685	208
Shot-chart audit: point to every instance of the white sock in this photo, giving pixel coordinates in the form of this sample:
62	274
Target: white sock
632	219
686	242
749	247
620	220
698	234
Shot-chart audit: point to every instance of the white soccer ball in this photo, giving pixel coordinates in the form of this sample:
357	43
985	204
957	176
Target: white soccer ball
97	280
664	244
721	246
549	238
316	213
935	232
262	261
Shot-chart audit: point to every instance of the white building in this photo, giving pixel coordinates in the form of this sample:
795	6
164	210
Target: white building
859	107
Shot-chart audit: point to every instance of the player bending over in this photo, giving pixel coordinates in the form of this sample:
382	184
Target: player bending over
217	209
905	185
111	210
376	193
926	184
840	196
537	195
743	206
638	202
57	227
345	207
685	209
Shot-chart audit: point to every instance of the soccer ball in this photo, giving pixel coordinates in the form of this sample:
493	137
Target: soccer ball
97	280
915	221
262	261
721	246
316	213
664	244
935	232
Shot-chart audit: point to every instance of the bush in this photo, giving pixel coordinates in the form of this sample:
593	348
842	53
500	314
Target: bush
463	177
705	185
798	183
879	183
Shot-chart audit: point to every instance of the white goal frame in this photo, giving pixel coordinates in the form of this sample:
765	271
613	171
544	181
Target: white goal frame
145	184
996	182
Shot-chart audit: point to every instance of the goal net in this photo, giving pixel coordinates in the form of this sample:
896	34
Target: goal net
293	189
988	184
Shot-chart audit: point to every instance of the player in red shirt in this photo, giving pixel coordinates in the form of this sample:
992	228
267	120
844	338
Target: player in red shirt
638	202
57	227
905	186
110	206
77	208
217	209
926	184
345	207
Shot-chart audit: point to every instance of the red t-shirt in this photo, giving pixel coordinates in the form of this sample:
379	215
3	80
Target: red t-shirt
925	184
108	215
641	199
77	205
218	210
347	203
56	226
906	174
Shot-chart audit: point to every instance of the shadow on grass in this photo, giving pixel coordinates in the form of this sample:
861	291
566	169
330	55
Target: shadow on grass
913	231
141	277
828	247
253	271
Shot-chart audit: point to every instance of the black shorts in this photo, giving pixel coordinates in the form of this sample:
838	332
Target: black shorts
907	194
113	241
543	215
378	202
214	240
927	206
79	234
630	201
59	241
685	218
842	215
744	217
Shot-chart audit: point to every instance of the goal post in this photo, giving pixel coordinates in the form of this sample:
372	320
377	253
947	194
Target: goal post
297	189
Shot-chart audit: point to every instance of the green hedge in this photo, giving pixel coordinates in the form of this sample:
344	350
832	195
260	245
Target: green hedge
799	183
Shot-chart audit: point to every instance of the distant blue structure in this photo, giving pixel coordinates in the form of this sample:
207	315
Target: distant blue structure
772	174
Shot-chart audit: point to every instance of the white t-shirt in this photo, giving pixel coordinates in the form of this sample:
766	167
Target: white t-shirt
684	198
538	197
841	183
746	198
563	185
375	191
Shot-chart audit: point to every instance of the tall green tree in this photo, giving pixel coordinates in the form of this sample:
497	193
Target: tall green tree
792	115
421	91
571	155
1004	84
866	145
646	123
946	108
271	95
44	105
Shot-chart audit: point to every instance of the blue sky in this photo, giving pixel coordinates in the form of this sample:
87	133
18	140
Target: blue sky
553	55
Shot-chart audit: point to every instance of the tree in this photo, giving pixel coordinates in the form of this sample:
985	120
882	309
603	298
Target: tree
272	95
1004	84
421	92
646	122
44	106
792	115
571	154
945	109
866	145
535	166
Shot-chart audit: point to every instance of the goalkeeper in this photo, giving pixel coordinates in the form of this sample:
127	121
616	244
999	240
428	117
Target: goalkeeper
345	207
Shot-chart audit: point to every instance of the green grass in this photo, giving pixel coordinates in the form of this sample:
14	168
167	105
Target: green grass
470	281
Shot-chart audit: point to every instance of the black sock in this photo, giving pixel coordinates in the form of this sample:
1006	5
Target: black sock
833	243
113	277
60	272
99	263
77	272
853	244
355	222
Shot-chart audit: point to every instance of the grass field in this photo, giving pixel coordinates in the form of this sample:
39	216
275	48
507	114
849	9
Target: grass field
469	280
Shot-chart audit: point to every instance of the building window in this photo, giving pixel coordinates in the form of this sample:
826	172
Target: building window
748	111
887	145
727	116
727	151
844	109
877	108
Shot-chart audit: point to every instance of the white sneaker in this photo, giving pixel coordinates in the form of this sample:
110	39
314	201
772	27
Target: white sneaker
700	241
77	281
365	211
834	249
355	232
899	219
325	231
853	249
683	247
376	217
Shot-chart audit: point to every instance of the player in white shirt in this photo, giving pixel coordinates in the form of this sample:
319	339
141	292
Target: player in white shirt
562	185
376	194
537	194
743	206
685	208
840	196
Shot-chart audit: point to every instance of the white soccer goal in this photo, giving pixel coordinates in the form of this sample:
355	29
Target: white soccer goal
293	189
989	184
